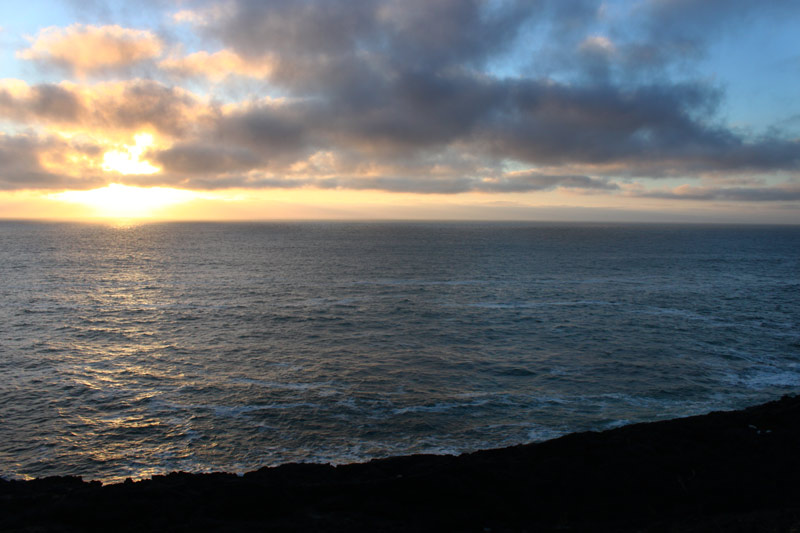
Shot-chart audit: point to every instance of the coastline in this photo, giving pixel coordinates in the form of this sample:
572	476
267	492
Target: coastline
726	471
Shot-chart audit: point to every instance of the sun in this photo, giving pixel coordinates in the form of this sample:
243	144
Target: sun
123	201
127	161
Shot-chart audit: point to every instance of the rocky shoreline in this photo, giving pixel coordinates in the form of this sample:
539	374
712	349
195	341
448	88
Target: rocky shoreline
724	471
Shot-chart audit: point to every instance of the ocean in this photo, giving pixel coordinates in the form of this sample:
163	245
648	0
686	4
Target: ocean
133	349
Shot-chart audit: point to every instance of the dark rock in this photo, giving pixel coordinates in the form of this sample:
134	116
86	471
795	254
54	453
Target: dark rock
725	471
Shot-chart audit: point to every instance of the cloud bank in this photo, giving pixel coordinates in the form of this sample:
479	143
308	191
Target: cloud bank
444	96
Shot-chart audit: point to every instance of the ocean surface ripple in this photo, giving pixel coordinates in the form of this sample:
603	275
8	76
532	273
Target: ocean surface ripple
130	350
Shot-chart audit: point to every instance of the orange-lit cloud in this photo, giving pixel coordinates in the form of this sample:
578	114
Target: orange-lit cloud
217	66
28	161
85	49
108	107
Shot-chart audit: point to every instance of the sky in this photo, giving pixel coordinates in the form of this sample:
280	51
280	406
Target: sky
564	110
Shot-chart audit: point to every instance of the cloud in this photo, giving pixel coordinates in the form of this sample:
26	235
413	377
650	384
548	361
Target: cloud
535	181
651	39
788	192
138	104
206	160
85	49
390	78
32	162
410	95
47	102
105	107
652	130
314	41
402	140
506	183
216	66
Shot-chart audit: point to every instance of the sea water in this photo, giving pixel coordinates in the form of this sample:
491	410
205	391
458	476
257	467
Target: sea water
134	349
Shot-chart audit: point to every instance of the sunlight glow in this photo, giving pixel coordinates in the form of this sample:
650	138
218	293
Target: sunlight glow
128	162
122	201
